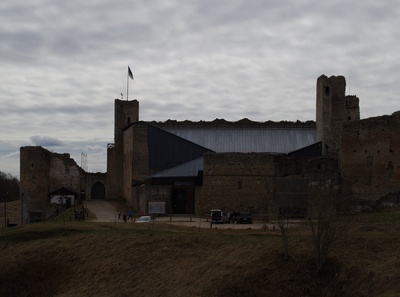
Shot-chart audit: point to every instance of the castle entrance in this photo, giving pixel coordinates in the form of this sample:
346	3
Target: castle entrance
183	200
98	191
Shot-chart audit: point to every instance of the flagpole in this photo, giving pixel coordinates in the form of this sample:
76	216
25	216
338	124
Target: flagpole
127	85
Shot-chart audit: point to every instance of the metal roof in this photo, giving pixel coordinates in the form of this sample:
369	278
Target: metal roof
190	168
246	140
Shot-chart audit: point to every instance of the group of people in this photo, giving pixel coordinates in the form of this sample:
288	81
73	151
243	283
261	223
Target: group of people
124	217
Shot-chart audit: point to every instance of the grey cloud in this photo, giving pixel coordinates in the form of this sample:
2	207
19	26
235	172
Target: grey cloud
45	141
64	62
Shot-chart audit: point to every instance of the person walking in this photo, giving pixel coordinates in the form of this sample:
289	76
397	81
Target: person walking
130	214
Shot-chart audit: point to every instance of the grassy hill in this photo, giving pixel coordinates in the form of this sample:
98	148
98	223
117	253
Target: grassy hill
101	259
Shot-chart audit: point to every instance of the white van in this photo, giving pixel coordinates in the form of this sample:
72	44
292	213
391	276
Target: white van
218	216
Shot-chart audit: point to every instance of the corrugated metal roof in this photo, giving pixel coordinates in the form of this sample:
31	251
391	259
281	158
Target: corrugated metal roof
246	140
190	168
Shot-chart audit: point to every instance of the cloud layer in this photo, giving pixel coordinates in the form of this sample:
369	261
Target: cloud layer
64	62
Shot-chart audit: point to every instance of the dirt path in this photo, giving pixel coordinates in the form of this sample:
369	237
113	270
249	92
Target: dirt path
104	211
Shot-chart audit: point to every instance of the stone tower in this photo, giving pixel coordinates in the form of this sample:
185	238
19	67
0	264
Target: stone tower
125	112
333	109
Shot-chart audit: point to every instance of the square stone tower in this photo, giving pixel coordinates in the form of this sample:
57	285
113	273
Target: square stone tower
125	113
334	108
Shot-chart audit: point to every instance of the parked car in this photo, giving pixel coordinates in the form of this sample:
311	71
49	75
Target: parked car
232	217
244	218
145	219
218	216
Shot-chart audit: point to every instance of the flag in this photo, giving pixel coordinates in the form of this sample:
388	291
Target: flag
130	72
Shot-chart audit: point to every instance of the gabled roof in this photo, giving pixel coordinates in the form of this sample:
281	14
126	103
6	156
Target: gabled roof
62	191
246	140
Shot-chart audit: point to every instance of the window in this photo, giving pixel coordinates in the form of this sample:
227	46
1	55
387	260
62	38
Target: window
327	91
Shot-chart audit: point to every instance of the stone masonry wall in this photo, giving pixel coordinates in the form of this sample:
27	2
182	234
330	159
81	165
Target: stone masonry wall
242	182
125	113
370	157
42	172
34	177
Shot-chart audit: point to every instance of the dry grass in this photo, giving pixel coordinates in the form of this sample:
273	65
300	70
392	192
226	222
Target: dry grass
97	259
12	211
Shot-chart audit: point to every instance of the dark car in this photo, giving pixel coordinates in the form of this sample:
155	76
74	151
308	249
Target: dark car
232	217
244	218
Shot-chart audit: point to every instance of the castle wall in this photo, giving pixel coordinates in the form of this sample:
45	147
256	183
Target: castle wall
140	151
243	182
370	157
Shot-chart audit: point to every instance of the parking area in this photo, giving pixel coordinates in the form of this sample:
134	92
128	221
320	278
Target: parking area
206	223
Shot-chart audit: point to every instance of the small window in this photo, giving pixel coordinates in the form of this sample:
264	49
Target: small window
128	121
327	91
240	185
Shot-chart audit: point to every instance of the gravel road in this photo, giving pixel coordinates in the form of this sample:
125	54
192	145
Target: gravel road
106	212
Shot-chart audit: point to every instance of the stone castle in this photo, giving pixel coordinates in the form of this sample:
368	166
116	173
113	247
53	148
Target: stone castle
265	168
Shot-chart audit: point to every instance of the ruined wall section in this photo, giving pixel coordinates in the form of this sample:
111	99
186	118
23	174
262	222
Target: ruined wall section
43	172
35	164
370	157
64	172
243	123
352	108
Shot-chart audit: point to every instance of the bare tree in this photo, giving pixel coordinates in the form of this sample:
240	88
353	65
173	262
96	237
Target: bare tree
285	222
326	224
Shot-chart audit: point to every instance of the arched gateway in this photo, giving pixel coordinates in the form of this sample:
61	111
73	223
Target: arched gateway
98	191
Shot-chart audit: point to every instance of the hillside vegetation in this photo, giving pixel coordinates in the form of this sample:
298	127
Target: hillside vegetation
128	259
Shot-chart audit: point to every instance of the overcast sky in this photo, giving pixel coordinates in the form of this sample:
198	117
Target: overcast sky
62	64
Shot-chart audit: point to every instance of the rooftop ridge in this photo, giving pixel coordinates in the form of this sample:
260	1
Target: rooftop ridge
243	123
